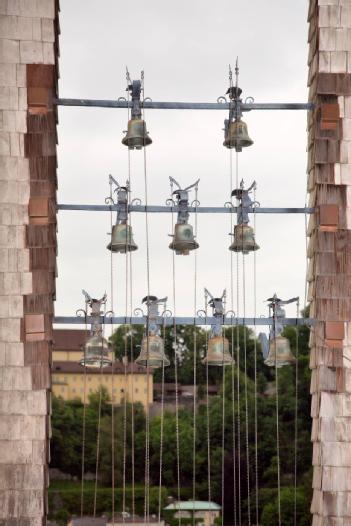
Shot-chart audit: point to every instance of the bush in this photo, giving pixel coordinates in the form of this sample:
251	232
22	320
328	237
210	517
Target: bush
270	510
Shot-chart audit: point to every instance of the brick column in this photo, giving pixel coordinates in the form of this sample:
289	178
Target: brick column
28	51
329	185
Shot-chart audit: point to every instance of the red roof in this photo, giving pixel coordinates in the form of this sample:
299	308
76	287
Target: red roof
75	367
69	339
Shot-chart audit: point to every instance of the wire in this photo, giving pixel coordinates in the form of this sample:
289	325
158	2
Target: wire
232	345
112	378
161	432
296	414
277	413
84	421
255	372
195	364
246	400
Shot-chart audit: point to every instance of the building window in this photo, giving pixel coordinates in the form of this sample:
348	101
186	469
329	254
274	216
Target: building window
114	390
73	390
136	390
62	389
122	390
90	390
89	378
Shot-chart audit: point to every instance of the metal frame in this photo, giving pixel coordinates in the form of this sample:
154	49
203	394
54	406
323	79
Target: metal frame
178	320
147	104
199	209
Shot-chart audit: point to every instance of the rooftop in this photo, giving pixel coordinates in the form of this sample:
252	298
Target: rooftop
89	521
190	505
69	339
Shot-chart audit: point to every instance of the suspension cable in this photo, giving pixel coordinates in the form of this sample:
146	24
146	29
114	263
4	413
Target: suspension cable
112	376
238	356
99	421
223	427
125	388
84	420
147	413
232	347
277	413
161	430
195	364
255	370
208	417
246	399
175	367
296	413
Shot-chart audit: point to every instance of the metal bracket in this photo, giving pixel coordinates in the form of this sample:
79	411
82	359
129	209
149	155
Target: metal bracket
182	196
246	203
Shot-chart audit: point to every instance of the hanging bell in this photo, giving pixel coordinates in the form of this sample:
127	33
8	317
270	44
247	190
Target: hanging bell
122	239
152	352
218	352
244	239
137	136
96	352
183	239
281	346
236	135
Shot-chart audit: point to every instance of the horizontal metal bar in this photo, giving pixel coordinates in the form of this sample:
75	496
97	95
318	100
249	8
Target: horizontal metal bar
136	320
199	209
95	103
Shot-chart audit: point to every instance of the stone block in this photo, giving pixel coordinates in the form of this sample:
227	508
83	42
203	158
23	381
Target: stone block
23	403
21	76
8	75
336	479
324	62
327	39
5	146
32	8
331	405
48	53
14	354
10	283
9	51
31	52
336	454
338	61
47	30
22	99
23	476
10	330
345	15
36	29
16	451
16	379
329	16
8	98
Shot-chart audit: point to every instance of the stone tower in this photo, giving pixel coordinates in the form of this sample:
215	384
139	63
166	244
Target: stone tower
28	80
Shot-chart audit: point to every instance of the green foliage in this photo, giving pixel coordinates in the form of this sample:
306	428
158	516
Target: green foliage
67	423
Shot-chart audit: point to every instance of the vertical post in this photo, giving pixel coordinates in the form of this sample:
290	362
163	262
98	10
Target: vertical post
28	52
329	185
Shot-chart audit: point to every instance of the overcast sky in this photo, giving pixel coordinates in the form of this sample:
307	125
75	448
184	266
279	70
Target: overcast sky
184	47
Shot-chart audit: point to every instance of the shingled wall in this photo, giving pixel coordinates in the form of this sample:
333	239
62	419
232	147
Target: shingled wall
28	77
329	185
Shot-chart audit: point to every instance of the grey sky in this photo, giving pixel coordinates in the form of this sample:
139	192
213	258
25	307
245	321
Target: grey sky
184	48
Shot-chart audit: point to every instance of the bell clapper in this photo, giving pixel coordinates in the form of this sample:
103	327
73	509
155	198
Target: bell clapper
96	349
152	352
244	237
122	235
183	237
137	136
218	346
276	349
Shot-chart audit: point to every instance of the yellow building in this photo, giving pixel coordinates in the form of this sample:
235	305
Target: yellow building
69	377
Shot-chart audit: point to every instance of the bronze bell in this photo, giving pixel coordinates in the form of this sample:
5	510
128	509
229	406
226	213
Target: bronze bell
237	136
244	239
137	136
284	354
218	352
152	352
122	239
183	239
96	352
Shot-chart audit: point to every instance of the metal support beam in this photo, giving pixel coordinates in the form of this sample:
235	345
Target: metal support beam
200	209
93	103
169	321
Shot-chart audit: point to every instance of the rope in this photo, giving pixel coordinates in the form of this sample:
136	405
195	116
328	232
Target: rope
161	432
208	416
296	414
176	372
255	374
84	423
99	425
277	417
223	431
232	348
112	380
147	412
246	403
195	366
125	394
238	356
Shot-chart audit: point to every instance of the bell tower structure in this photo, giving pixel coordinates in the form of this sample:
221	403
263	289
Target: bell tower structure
28	84
329	187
